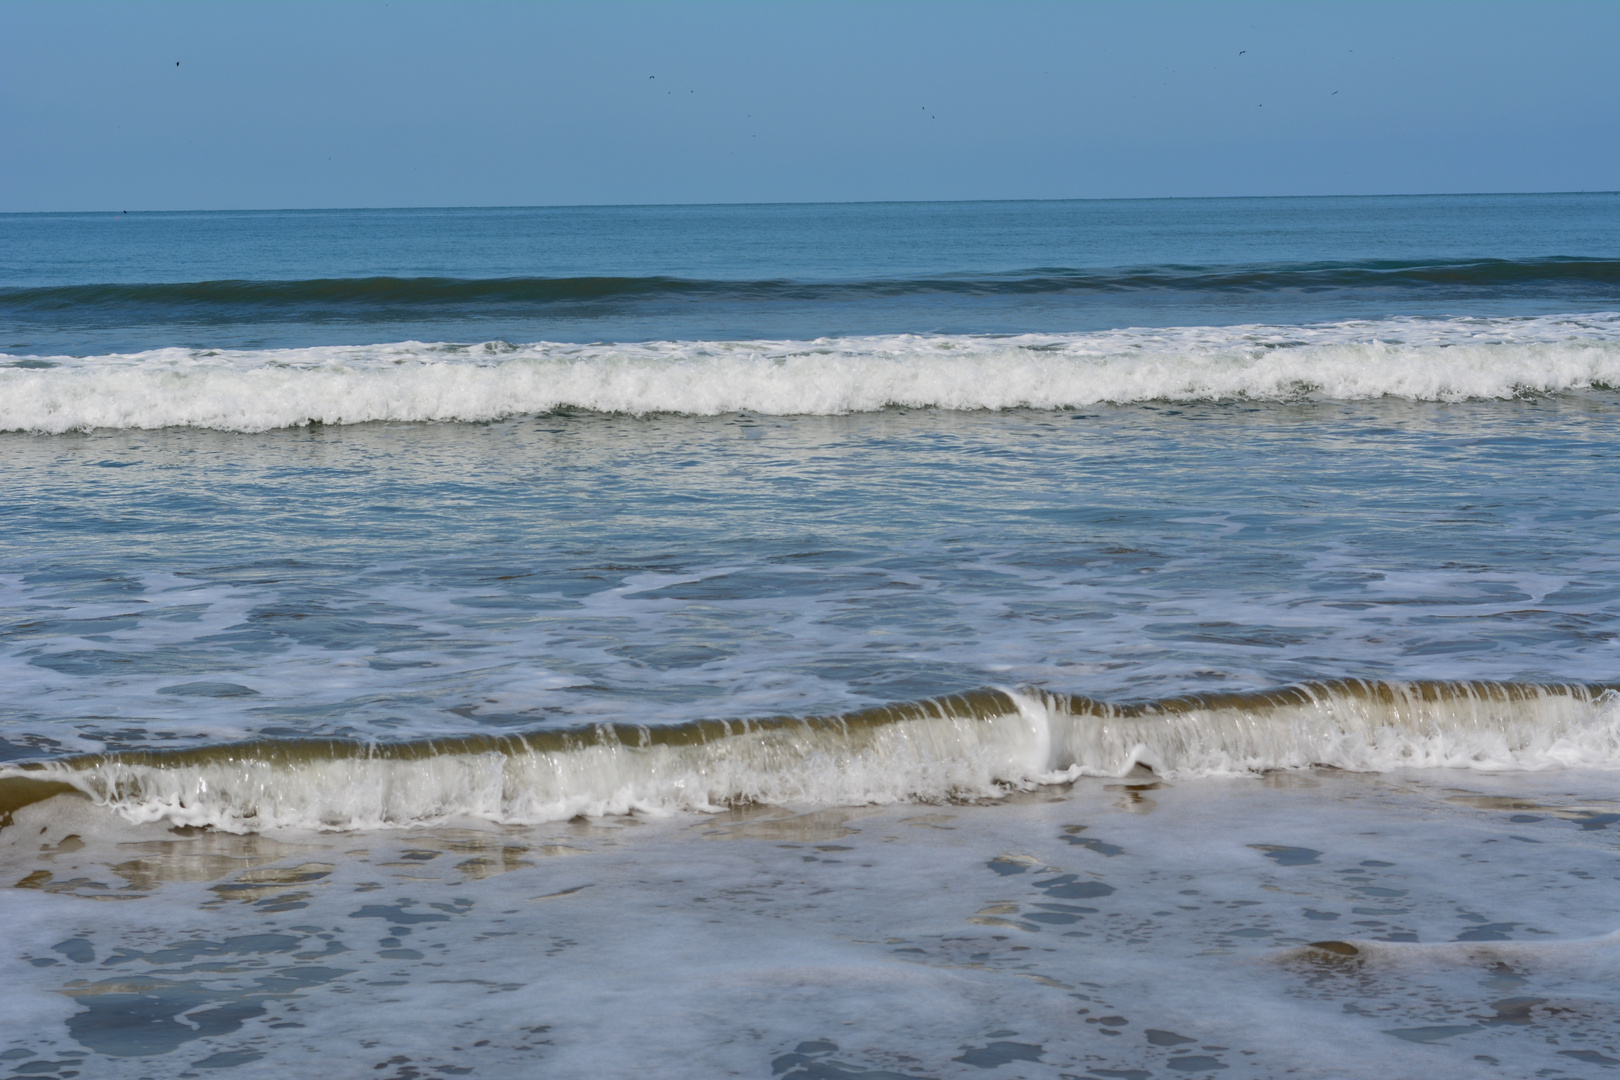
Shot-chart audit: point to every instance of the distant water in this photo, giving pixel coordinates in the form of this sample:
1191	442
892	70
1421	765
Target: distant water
87	284
1145	555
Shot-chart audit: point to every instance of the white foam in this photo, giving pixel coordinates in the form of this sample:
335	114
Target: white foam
258	390
929	758
1406	729
902	938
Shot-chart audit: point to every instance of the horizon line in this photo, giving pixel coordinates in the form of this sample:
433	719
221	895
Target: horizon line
792	202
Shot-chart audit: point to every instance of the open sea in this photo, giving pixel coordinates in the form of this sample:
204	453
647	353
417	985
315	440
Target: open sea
1108	640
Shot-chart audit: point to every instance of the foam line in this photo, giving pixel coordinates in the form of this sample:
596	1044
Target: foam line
980	745
259	390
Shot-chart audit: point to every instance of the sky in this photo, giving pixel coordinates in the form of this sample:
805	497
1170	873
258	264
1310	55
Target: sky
211	105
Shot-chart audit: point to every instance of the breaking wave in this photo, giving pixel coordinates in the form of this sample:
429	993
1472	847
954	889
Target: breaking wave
980	745
259	390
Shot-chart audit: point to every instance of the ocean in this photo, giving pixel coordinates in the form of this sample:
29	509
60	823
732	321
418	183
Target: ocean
1108	640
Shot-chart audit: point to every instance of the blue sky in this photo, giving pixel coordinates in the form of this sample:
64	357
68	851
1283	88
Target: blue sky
422	104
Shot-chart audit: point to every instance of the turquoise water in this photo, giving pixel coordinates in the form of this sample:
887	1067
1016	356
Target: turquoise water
416	552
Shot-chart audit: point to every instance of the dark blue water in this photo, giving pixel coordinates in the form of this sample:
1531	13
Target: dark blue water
789	271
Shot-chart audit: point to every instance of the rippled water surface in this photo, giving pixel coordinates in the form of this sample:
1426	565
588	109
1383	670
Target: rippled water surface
393	580
1104	640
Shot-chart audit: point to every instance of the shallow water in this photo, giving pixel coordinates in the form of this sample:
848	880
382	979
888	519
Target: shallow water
411	580
1076	931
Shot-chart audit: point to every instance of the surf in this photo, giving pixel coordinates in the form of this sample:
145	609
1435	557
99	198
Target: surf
260	390
982	745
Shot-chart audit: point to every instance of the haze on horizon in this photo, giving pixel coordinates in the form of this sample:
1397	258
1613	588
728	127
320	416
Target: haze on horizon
177	106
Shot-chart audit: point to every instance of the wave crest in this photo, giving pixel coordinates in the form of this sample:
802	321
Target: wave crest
1425	360
971	746
377	297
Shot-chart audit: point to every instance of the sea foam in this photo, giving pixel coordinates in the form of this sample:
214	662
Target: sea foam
964	747
259	390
